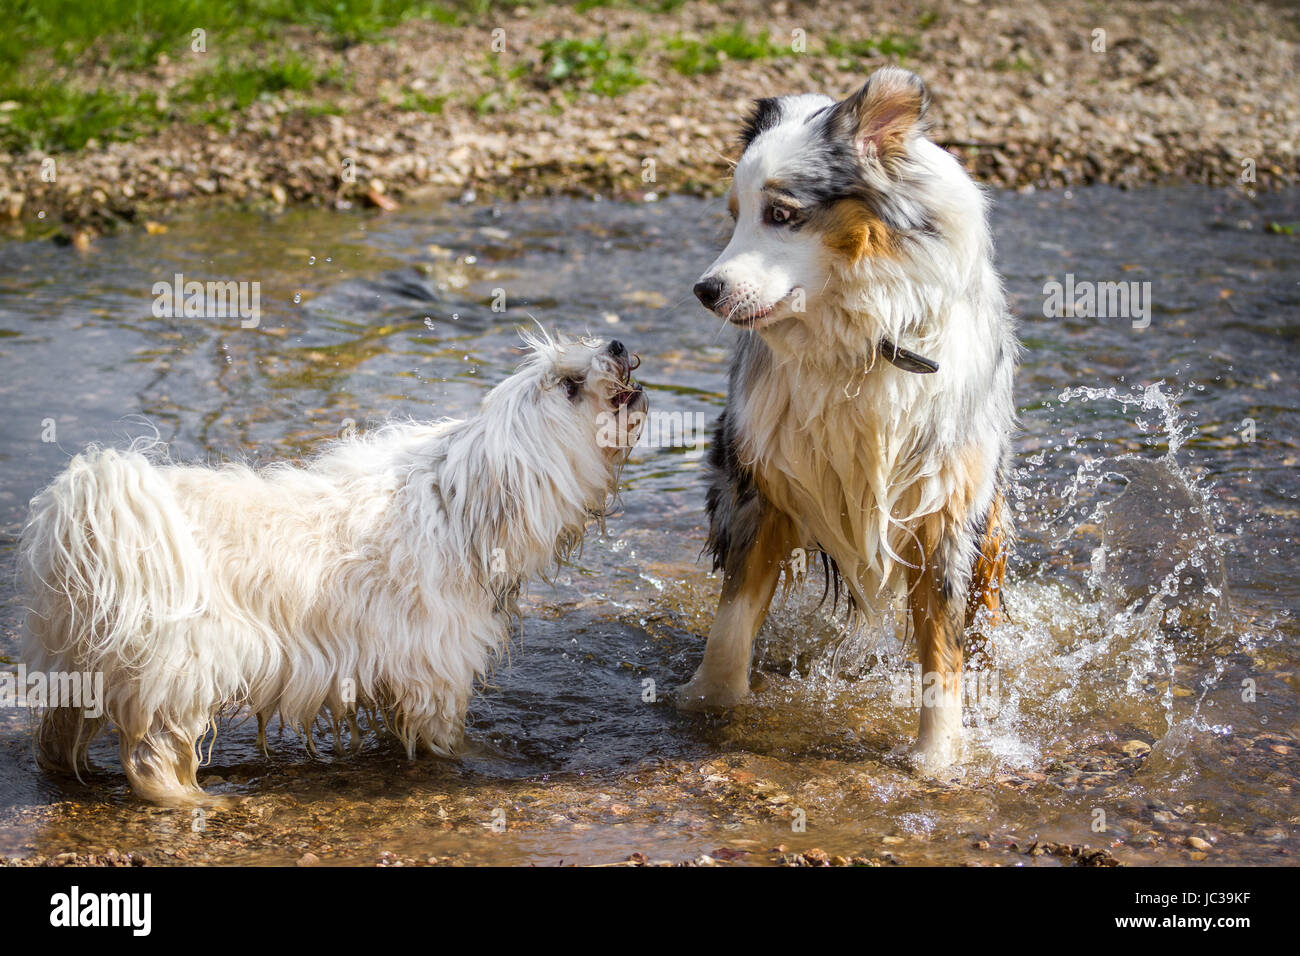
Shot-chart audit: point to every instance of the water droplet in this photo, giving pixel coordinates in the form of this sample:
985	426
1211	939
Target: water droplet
297	297
311	260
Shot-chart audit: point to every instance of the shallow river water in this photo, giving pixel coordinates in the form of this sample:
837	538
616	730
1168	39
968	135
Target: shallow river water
1144	699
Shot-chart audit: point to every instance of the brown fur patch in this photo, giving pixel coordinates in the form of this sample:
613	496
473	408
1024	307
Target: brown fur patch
887	108
850	230
771	549
935	621
892	115
986	581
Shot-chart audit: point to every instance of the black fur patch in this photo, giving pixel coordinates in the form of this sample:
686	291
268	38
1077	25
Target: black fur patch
833	586
831	170
979	530
734	502
765	114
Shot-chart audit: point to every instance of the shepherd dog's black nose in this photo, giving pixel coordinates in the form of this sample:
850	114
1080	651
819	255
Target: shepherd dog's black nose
709	292
617	349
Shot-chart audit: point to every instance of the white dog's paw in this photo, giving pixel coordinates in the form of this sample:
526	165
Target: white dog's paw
702	693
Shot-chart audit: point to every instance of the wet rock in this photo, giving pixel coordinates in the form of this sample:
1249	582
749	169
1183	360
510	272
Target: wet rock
727	854
1080	855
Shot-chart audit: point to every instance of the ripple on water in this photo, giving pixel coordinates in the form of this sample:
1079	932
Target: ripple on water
1146	671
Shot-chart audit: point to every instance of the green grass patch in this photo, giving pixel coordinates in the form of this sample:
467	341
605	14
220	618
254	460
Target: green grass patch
495	101
416	102
46	44
888	45
214	96
322	108
505	95
55	118
236	85
692	57
603	69
132	33
1021	64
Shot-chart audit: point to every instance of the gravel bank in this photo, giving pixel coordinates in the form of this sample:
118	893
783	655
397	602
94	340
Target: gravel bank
1182	92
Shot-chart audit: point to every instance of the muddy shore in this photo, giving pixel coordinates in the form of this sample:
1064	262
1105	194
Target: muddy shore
742	807
624	102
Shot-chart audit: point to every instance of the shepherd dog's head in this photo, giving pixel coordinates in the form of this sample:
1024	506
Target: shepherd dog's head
844	204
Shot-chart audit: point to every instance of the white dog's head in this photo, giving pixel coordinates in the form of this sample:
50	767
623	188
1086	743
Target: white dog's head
839	200
579	391
544	454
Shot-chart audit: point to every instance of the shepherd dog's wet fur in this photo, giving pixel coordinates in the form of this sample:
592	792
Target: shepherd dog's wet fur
870	405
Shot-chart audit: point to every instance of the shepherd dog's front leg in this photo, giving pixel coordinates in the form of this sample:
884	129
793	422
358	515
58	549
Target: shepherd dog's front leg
751	572
953	602
936	600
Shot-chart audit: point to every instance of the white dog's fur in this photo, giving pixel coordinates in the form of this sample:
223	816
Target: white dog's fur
381	573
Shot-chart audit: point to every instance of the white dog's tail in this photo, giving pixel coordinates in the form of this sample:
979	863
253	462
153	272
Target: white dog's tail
108	562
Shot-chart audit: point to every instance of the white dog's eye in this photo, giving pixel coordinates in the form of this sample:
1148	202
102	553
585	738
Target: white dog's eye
572	387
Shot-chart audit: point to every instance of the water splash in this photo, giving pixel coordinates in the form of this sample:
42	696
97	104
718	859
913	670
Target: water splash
1119	618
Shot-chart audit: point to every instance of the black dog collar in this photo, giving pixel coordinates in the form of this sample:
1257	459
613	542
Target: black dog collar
906	359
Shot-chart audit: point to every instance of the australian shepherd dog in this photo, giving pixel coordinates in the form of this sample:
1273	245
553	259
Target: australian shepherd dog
870	402
381	574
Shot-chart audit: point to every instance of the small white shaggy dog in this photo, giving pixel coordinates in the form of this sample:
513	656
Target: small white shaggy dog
382	573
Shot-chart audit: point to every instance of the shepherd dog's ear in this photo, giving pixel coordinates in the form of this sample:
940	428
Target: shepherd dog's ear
881	117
